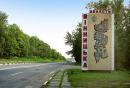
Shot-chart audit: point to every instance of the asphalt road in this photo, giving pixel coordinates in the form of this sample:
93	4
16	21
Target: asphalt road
29	75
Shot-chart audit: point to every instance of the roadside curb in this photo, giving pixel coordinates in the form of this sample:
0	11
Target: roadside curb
13	64
46	82
59	80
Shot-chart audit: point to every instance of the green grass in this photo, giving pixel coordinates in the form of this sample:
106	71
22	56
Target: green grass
77	64
29	60
115	79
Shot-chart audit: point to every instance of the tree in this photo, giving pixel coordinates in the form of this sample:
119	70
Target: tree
127	35
20	38
3	24
74	40
15	43
10	44
56	55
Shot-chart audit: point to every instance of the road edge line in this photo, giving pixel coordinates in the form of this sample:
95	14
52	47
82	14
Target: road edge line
50	78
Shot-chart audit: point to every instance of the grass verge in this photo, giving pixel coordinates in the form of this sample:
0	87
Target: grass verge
29	60
115	79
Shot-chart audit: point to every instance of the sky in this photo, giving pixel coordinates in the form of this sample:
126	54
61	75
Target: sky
49	20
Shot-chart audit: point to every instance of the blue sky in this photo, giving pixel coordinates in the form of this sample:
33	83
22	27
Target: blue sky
47	19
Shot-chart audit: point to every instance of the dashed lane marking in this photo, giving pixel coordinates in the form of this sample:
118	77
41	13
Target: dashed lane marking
16	73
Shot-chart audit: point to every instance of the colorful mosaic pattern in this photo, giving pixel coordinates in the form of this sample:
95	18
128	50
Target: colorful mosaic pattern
100	40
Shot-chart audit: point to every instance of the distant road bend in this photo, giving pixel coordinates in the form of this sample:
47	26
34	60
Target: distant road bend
29	75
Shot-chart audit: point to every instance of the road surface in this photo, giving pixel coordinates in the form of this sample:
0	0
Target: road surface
29	75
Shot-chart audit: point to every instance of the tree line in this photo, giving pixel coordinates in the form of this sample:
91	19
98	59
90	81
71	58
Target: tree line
122	32
15	43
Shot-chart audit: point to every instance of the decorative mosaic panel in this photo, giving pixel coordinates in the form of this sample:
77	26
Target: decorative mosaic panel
98	40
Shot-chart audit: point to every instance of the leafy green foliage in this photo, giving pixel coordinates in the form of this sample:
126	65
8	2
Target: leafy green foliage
74	40
127	41
15	43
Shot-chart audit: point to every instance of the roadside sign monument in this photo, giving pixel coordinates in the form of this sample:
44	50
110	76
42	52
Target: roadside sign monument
98	40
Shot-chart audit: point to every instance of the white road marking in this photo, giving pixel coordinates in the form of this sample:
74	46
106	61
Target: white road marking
16	73
45	83
22	67
50	78
28	87
52	72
